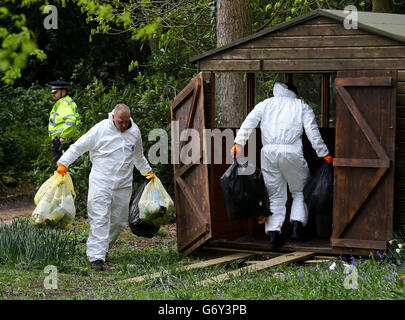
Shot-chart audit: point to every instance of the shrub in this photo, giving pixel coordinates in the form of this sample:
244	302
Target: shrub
23	123
28	108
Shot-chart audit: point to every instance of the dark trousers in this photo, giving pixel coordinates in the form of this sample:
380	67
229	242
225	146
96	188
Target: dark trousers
58	148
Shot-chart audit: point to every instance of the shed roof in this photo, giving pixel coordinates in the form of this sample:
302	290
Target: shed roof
384	24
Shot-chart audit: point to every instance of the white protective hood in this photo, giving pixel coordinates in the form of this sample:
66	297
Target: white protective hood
281	90
113	153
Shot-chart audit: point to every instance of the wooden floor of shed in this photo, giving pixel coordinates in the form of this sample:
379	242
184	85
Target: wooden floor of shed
317	245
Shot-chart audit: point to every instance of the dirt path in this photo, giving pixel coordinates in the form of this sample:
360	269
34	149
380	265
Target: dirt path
7	215
16	206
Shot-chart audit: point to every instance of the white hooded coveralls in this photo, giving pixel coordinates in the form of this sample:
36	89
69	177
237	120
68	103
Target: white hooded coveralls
282	121
113	155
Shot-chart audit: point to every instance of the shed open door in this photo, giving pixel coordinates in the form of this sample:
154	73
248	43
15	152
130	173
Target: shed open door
364	159
190	172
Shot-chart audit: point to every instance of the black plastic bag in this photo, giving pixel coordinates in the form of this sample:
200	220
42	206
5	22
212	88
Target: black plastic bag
245	194
318	192
138	227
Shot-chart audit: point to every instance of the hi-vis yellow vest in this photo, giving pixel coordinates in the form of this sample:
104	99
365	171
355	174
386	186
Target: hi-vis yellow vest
64	118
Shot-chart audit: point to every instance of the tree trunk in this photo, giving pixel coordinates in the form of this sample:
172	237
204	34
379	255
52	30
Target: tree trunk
234	21
382	6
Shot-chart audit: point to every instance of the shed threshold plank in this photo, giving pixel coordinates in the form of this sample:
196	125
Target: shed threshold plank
260	265
202	264
240	250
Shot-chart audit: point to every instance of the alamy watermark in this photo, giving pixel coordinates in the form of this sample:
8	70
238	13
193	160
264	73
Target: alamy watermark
199	146
351	17
51	20
351	279
51	280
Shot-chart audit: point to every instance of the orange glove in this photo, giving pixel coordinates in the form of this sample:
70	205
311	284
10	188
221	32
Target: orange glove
328	159
150	175
236	149
62	170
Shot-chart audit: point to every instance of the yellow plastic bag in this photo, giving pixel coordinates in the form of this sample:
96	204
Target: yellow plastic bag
156	206
51	182
55	203
44	188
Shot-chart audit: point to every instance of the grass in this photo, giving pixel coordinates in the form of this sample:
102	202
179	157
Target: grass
378	278
23	244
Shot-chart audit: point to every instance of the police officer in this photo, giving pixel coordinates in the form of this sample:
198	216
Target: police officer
63	119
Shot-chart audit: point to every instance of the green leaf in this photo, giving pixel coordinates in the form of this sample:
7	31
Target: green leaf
145	31
3	12
40	54
105	12
124	19
133	65
28	47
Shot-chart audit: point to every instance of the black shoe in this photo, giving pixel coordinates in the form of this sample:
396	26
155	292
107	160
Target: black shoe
297	232
274	240
97	265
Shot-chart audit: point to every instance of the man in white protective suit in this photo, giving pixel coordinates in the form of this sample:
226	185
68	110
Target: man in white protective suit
115	146
282	120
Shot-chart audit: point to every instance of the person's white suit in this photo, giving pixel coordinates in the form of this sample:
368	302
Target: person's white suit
113	155
282	121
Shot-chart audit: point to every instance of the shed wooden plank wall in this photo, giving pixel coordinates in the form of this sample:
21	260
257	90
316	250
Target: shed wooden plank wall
320	44
399	204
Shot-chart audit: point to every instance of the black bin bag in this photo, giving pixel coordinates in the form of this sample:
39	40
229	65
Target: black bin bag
318	192
139	227
245	194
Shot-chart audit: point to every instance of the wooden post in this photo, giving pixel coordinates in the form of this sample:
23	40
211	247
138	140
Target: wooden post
288	78
325	100
250	91
212	84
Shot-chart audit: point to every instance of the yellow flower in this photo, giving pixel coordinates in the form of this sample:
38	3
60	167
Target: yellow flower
401	245
398	250
391	241
401	277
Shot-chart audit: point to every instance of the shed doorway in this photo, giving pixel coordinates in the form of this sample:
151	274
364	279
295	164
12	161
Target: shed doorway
359	116
316	89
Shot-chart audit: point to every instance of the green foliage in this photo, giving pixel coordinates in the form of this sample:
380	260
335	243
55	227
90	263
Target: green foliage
172	32
26	246
19	147
17	43
190	31
23	122
28	107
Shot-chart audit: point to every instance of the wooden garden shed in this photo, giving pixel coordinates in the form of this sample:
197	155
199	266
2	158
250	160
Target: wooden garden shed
360	102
